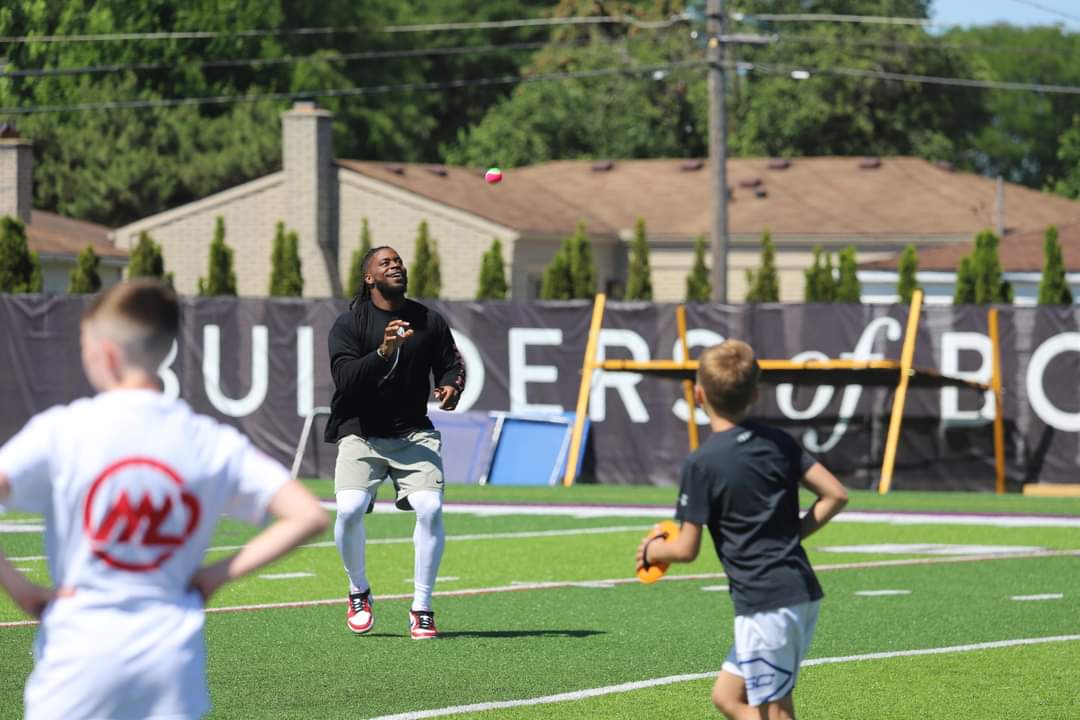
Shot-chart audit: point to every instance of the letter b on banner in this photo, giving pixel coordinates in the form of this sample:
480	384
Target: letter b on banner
952	344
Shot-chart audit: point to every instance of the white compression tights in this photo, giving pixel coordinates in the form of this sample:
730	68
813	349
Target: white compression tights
349	535
429	538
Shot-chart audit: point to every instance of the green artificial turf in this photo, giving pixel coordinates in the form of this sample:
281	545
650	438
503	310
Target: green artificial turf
1019	683
897	500
506	643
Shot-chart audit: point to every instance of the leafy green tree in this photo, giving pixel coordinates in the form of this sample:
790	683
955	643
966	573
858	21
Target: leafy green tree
1053	288
84	279
356	269
221	277
663	114
630	116
1018	135
1068	154
848	287
820	284
558	281
698	285
425	277
639	280
133	162
146	259
964	292
286	279
571	273
467	105
906	282
990	286
20	268
763	286
492	284
850	115
582	269
36	283
828	280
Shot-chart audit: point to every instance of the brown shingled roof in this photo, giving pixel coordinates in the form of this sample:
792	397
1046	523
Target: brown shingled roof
828	196
523	204
52	234
1019	252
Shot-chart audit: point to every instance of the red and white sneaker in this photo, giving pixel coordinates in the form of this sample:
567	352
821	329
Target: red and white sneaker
360	616
422	625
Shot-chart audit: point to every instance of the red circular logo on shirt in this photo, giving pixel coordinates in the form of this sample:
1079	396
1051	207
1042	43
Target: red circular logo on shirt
137	514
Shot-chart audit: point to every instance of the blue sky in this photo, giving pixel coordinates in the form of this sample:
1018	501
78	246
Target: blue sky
980	12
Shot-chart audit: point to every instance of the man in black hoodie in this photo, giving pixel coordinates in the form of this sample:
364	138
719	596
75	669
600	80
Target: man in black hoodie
384	352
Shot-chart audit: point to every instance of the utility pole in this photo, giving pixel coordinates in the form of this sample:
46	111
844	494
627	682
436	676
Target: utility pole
715	20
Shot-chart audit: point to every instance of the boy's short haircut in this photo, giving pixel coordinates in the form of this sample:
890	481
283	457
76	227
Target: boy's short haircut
142	316
729	374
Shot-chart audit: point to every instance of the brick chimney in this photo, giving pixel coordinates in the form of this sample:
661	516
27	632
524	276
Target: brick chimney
311	194
16	174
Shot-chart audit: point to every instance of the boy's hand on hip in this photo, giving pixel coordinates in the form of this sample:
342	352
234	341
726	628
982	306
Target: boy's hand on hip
209	578
33	599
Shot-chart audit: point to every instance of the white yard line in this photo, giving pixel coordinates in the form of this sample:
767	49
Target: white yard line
560	584
673	679
663	512
927	549
666	511
568	532
1045	596
21	526
1001	521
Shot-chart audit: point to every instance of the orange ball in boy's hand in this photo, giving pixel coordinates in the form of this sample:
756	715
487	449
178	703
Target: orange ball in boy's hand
669	530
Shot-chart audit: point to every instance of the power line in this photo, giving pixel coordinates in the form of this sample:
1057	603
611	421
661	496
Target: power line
348	92
824	17
492	48
540	22
797	71
782	38
802	73
284	60
1045	8
351	29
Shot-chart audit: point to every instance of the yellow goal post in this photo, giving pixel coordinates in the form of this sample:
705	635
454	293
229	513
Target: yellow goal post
898	374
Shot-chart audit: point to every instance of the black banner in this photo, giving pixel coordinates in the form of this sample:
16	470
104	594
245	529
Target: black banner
262	365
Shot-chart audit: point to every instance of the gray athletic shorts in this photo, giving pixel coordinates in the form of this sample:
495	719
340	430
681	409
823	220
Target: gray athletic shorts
412	462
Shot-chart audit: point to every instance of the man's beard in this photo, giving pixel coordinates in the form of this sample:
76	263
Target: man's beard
390	291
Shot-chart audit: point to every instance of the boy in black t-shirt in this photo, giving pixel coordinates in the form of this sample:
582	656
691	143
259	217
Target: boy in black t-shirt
743	483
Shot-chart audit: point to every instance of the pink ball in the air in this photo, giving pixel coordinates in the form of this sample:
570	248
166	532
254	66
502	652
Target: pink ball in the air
493	176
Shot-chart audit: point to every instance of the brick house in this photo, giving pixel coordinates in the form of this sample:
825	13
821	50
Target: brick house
1021	256
56	239
876	204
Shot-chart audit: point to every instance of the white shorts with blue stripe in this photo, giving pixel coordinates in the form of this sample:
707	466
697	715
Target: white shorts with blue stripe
769	646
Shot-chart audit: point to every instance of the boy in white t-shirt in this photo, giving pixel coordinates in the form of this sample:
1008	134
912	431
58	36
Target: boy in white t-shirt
131	485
